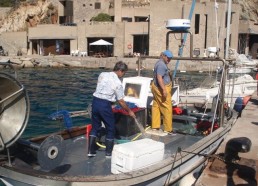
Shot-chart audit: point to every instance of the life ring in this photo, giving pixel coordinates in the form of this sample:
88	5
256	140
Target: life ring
129	46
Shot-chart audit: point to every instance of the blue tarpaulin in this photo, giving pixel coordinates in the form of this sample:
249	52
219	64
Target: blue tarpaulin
62	114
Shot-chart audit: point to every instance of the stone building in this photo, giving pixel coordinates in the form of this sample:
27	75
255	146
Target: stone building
139	27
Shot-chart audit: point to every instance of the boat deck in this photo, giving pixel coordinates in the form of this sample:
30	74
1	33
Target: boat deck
77	163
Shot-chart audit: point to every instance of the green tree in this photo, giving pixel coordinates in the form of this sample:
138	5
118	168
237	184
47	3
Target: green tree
6	3
102	17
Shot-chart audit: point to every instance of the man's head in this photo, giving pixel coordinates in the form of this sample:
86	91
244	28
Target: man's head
120	68
167	56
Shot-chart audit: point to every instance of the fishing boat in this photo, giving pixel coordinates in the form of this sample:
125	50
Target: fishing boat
140	156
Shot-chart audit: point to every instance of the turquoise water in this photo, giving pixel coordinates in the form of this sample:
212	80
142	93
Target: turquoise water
54	89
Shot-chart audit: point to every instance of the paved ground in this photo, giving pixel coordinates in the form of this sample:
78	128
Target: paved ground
245	172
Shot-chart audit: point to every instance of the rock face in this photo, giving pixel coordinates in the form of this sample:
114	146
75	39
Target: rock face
29	15
249	10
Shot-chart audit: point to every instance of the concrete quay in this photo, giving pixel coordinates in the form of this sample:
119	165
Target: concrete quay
245	171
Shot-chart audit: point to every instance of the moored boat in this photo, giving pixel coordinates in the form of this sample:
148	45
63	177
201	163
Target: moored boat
236	87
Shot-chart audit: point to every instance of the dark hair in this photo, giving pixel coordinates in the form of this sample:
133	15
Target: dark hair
120	66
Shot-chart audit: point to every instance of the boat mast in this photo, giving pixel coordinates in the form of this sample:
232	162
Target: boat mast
184	38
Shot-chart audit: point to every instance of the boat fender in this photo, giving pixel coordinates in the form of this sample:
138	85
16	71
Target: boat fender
245	100
238	106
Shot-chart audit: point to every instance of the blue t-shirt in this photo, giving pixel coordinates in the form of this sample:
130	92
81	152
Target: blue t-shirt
161	69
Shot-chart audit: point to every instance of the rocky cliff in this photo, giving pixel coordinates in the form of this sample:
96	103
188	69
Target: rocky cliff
249	9
29	15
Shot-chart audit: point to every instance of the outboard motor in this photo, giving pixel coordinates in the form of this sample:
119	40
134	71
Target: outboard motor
234	146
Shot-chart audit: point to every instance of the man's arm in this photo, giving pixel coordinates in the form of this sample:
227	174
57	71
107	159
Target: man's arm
123	104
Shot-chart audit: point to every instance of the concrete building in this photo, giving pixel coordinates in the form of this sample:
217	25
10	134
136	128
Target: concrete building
138	27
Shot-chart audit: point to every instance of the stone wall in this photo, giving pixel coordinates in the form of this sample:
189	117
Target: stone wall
108	63
14	42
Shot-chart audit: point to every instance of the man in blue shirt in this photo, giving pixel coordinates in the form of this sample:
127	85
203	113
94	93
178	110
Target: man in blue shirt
109	89
161	90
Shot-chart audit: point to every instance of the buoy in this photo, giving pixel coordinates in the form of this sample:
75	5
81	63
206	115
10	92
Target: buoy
245	100
238	104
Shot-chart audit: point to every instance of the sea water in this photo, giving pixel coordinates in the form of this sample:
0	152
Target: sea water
55	89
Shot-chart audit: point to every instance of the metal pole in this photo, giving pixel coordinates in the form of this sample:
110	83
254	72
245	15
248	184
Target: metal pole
228	28
148	52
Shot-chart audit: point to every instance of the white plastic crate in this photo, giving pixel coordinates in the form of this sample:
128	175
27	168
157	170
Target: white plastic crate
136	155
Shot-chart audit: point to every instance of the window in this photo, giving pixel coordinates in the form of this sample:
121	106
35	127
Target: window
226	18
197	23
97	5
141	19
127	19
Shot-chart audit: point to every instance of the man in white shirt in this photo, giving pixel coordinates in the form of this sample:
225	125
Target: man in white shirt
109	89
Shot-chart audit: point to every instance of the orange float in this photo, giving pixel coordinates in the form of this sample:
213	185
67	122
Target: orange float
245	100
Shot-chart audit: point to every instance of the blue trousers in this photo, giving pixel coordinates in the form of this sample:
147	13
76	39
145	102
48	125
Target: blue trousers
102	112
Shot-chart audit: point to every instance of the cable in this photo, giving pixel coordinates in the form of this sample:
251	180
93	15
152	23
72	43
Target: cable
137	136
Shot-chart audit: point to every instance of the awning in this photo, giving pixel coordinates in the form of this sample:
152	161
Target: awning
101	42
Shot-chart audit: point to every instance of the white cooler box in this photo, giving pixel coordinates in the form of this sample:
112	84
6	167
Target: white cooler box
136	155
